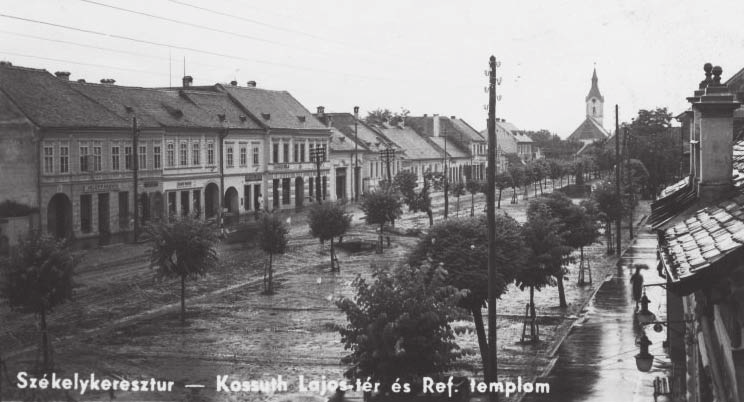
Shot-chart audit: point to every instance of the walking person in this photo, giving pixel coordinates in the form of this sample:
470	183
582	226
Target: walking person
637	281
259	205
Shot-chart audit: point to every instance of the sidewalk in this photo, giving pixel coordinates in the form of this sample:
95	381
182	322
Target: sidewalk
596	361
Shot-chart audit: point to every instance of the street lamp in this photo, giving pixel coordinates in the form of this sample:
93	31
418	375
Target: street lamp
356	155
644	359
318	155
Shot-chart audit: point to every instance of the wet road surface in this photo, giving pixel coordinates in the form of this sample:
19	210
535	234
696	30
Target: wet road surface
597	360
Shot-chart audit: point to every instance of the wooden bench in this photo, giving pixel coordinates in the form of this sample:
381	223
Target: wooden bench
661	387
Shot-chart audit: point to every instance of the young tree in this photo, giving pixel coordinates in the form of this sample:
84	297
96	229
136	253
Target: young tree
327	221
554	252
502	181
461	247
458	190
406	182
473	188
380	207
528	177
517	179
609	207
183	248
556	170
273	232
36	278
398	325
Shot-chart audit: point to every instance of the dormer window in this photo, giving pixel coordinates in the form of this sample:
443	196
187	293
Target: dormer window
301	119
266	116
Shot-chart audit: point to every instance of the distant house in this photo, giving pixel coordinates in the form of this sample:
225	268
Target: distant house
591	129
511	140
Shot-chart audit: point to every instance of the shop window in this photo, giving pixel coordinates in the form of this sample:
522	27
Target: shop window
86	213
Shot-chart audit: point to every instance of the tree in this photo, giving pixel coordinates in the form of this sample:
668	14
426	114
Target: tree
381	206
555	252
502	181
378	116
458	190
274	240
398	325
36	278
517	179
406	182
327	221
609	207
473	188
556	170
461	247
183	248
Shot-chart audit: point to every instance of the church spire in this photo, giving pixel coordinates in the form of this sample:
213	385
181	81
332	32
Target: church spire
595	101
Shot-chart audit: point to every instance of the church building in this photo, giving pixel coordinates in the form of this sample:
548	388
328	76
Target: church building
591	129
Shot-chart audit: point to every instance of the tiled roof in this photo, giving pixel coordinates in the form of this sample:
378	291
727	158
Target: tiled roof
413	145
673	200
453	151
49	101
693	246
461	126
165	107
368	137
341	143
703	239
522	137
275	109
589	129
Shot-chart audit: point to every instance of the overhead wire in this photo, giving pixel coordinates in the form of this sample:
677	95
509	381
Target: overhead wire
188	48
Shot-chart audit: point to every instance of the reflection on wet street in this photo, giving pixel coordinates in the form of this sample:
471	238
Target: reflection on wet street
597	360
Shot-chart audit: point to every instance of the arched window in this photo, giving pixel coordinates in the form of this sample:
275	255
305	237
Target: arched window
594	110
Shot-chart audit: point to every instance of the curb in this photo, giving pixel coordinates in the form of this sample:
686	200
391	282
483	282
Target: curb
568	326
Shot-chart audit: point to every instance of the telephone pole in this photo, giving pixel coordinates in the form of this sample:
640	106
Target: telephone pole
135	174
619	219
317	155
387	155
446	177
356	155
492	366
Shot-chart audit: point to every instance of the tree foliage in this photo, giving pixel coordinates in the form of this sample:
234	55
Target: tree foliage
183	248
273	231
398	325
461	247
380	207
657	145
406	182
327	221
37	277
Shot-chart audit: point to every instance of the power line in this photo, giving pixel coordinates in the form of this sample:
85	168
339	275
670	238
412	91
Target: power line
207	28
253	21
187	48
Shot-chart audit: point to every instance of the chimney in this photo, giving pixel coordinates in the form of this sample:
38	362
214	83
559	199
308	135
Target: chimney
453	117
6	63
110	81
426	115
251	84
81	80
435	125
187	81
234	83
63	75
321	111
713	107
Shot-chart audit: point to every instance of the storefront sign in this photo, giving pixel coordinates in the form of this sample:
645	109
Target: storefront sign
100	187
150	184
281	166
253	177
183	184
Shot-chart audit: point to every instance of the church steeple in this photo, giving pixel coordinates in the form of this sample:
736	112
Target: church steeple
595	101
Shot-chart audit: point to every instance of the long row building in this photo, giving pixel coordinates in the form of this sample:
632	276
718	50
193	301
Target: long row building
82	154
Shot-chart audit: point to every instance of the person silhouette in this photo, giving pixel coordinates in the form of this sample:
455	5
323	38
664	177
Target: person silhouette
637	281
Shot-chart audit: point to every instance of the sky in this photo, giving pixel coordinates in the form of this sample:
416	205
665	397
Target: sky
426	56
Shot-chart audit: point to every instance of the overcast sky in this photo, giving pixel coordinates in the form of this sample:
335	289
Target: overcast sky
428	56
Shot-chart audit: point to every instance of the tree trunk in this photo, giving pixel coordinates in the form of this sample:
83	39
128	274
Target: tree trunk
431	216
382	226
44	340
561	292
499	205
608	233
183	299
472	204
270	287
333	257
458	206
480	330
532	313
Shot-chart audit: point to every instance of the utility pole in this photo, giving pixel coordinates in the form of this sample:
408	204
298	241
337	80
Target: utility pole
356	155
631	196
446	177
318	156
492	366
619	219
388	154
135	174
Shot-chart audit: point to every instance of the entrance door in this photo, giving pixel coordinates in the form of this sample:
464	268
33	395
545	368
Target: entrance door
103	214
299	192
340	183
59	216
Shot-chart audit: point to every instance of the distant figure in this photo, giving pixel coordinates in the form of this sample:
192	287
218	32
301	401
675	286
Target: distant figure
637	281
259	205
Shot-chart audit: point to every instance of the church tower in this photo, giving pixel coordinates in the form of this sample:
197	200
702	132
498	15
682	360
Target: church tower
595	101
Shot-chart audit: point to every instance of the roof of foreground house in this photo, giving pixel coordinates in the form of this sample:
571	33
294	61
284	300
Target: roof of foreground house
413	145
589	129
275	109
